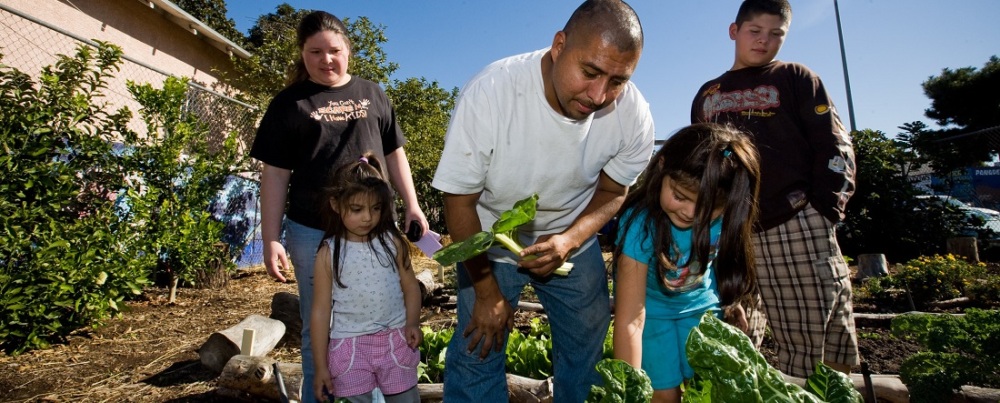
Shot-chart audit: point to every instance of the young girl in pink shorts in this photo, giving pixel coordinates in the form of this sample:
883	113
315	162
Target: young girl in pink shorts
363	278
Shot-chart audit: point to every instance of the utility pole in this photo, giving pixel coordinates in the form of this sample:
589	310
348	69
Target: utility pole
847	78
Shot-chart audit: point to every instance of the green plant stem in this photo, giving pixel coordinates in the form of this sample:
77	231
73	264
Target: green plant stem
515	247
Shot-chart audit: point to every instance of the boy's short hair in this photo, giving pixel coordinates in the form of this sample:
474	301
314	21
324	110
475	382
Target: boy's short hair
753	8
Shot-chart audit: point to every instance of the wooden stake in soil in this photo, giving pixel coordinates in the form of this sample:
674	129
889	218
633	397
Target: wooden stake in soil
224	344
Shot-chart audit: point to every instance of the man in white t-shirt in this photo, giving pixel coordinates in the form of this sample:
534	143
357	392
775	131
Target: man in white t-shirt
565	123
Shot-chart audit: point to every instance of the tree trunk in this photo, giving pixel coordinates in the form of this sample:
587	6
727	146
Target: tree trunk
214	274
965	247
223	345
872	265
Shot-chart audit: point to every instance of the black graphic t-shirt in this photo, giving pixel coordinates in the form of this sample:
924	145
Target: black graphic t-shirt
806	153
313	129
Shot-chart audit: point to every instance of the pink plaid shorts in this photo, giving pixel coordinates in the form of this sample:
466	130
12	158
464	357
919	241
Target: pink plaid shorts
358	364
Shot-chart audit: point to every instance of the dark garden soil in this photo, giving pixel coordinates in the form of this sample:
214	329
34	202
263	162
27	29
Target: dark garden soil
149	354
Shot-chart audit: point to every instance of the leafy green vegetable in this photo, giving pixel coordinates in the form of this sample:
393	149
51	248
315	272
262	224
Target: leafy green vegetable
459	251
958	351
736	372
831	385
504	231
623	383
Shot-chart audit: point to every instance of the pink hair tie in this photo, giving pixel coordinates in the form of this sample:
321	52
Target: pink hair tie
363	159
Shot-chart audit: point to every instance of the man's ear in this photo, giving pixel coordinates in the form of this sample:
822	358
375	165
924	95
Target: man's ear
733	30
558	44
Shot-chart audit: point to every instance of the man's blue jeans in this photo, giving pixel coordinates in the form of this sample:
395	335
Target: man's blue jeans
579	314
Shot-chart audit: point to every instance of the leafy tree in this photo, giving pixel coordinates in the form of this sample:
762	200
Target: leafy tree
423	110
909	157
966	97
883	216
963	100
180	176
213	14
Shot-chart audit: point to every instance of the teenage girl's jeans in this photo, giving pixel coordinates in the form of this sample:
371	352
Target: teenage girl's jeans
301	243
579	314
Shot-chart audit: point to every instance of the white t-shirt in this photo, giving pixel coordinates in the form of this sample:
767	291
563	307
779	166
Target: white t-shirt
506	141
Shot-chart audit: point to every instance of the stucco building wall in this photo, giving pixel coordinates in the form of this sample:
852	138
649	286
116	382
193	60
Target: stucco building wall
146	34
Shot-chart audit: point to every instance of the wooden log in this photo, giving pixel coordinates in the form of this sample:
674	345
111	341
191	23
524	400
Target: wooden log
224	344
964	246
519	390
950	303
888	388
431	392
975	394
884	319
285	308
527	390
872	265
428	286
255	375
530	306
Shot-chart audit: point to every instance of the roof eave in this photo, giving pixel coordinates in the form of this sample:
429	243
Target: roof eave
196	27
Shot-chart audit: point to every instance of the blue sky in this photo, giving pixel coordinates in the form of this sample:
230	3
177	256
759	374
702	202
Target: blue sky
892	45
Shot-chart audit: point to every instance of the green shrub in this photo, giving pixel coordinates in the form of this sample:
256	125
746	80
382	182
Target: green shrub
937	278
959	350
985	291
69	255
62	264
180	175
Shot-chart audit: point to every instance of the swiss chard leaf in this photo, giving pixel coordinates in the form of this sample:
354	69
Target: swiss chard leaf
464	250
523	212
725	357
622	383
832	385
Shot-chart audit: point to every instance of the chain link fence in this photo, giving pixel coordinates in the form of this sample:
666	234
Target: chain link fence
29	44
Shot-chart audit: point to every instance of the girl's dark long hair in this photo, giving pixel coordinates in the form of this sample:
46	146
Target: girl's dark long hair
362	178
723	166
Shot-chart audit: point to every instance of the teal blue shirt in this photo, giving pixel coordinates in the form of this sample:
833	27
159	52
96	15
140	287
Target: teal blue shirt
692	286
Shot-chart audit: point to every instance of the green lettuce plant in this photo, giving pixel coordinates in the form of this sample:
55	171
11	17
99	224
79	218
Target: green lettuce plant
504	231
623	383
959	350
728	368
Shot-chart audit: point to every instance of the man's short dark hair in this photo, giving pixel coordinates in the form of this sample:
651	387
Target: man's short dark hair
614	20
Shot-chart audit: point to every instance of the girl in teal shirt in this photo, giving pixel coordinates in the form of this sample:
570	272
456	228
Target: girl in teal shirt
684	248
